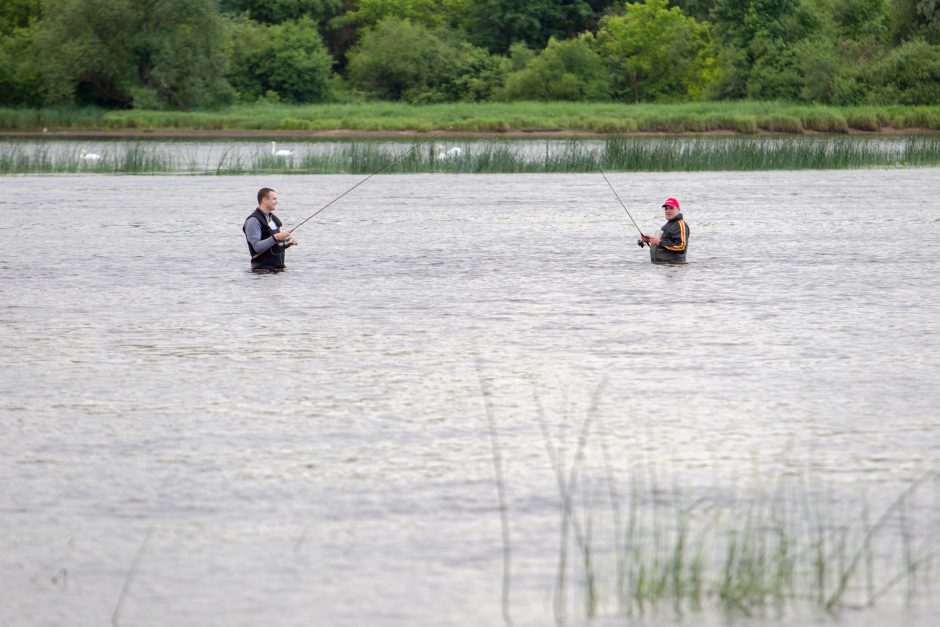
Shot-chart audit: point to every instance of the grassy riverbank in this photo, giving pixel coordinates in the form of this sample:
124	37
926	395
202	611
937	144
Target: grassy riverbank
496	118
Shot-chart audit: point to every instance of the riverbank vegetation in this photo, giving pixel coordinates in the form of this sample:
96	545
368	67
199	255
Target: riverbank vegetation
625	154
162	55
745	117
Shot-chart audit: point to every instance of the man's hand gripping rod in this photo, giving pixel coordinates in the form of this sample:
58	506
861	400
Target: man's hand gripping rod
380	170
642	237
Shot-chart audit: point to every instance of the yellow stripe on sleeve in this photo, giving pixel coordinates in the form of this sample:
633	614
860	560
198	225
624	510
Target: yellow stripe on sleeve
681	246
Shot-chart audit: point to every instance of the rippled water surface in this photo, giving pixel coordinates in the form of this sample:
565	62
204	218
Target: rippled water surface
184	442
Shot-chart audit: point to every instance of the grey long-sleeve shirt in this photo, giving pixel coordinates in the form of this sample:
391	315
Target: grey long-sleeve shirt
253	233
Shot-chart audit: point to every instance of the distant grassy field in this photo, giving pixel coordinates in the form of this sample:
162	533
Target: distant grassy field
490	118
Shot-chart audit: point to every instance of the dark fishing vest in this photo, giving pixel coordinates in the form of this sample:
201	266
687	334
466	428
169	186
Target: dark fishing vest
272	258
674	242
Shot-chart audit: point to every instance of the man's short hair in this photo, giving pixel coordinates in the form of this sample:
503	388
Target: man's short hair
263	193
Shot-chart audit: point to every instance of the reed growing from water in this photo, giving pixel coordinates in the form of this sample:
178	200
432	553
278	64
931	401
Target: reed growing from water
625	154
774	544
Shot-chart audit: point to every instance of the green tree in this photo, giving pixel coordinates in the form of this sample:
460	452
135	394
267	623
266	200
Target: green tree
699	9
287	60
564	70
757	58
20	83
519	56
737	22
20	80
859	18
277	11
142	53
481	74
774	73
910	19
370	12
909	74
819	67
497	24
401	60
656	53
18	14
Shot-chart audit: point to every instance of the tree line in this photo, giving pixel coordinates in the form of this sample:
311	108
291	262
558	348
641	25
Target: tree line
191	54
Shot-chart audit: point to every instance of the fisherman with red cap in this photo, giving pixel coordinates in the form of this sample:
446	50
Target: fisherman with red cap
673	241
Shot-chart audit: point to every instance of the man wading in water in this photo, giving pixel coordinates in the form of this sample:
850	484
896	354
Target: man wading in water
266	241
673	241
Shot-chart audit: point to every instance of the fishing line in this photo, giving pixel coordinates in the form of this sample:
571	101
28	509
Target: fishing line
621	202
380	170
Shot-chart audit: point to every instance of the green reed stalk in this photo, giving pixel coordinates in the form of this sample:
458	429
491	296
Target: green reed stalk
847	573
777	543
616	154
501	495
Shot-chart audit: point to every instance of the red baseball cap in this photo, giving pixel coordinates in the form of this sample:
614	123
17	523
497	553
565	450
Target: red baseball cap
671	202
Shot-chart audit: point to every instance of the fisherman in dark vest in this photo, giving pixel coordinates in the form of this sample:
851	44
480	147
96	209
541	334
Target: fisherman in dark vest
673	242
266	241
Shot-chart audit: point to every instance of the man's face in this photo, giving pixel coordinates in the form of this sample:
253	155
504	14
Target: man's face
270	202
670	211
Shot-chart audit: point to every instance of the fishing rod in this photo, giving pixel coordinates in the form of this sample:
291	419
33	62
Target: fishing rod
380	170
621	204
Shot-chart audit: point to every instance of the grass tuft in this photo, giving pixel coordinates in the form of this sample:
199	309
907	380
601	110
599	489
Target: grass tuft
863	121
825	122
781	124
754	552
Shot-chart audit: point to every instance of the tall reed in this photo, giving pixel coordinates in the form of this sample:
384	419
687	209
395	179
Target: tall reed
626	154
761	551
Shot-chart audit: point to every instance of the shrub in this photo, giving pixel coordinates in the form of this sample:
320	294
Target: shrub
284	62
780	124
825	123
910	74
106	52
19	72
863	121
564	70
401	60
657	53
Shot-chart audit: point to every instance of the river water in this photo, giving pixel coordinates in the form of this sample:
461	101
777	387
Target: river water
185	442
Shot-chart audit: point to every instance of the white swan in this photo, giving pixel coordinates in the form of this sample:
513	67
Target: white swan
450	154
280	153
88	157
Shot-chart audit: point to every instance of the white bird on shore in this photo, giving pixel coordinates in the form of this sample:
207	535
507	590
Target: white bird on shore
88	157
450	154
280	153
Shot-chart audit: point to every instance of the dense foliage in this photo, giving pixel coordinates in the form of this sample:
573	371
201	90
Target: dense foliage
167	54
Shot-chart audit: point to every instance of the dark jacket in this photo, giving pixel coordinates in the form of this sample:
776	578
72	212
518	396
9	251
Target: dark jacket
674	242
271	256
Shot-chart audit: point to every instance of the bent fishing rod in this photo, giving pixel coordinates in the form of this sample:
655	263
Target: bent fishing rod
621	204
380	170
